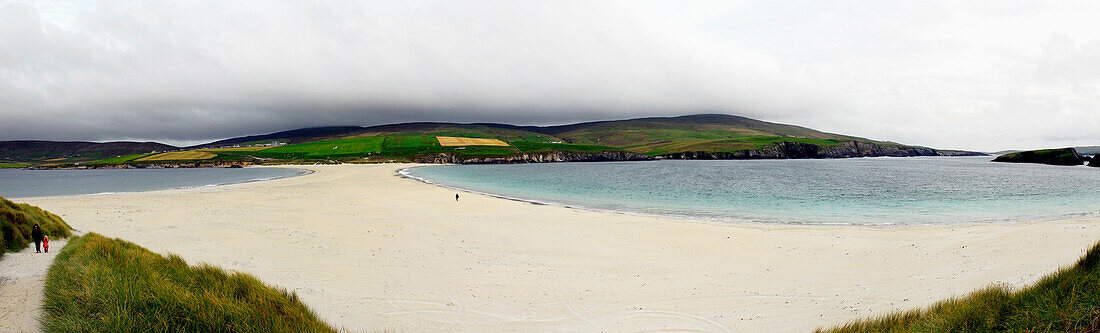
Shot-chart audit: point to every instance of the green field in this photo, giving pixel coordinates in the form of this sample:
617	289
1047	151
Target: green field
1066	301
407	147
350	147
98	284
459	130
120	159
13	165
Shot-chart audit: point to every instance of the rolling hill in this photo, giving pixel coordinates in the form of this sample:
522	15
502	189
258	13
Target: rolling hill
61	151
704	136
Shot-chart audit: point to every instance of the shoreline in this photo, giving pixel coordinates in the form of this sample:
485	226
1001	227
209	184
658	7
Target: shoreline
404	173
370	250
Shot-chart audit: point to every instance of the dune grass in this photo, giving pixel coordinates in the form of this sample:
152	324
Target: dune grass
1065	301
99	284
17	220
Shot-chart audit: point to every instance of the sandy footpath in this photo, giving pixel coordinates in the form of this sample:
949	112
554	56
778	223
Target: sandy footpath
369	250
22	277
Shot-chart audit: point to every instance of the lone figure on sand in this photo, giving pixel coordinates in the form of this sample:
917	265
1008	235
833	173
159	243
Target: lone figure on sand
456	196
36	236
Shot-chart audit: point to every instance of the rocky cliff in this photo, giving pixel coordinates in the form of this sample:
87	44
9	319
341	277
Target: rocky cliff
794	150
1063	156
556	156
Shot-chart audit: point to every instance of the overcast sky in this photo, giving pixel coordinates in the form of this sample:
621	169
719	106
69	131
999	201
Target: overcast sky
981	75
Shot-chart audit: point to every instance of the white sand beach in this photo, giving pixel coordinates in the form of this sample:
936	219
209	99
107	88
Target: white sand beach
369	251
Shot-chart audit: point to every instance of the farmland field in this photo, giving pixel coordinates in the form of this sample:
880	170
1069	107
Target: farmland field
120	159
460	141
179	155
327	148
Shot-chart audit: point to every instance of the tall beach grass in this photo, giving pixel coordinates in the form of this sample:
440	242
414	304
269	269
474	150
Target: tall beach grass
99	284
1065	301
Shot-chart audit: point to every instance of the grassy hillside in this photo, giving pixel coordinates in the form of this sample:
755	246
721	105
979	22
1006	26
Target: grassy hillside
488	131
708	133
99	284
42	151
325	149
1066	301
711	133
16	221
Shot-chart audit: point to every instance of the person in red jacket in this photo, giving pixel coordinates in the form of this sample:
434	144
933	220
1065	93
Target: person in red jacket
46	243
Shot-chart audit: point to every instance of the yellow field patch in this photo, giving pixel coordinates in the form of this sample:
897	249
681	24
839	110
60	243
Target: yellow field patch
459	141
179	155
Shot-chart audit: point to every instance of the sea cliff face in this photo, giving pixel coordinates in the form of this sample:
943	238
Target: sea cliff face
794	150
557	156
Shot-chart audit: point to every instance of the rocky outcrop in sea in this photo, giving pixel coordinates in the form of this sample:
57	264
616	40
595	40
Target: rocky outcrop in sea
1062	156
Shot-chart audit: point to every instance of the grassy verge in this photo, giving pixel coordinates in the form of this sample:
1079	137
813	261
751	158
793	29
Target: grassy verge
16	221
99	284
1066	301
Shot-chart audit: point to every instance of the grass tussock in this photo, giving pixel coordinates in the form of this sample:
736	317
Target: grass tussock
1066	301
16	221
99	284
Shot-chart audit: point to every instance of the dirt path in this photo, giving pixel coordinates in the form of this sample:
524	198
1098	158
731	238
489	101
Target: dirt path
22	278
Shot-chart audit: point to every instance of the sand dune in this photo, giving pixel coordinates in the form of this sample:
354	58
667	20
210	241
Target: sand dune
369	250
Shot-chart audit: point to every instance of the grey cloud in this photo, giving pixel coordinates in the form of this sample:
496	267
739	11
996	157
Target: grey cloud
934	73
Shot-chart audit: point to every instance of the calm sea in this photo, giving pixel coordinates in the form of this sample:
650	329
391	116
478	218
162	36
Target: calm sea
874	191
17	183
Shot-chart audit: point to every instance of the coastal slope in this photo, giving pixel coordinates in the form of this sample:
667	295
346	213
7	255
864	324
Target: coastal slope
372	251
703	136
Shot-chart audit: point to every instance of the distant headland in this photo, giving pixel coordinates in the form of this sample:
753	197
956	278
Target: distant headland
703	136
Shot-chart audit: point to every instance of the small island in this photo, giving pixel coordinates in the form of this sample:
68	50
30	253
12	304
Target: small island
1062	156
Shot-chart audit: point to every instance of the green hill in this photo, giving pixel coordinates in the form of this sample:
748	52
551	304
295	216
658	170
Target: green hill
706	136
1066	301
72	151
710	132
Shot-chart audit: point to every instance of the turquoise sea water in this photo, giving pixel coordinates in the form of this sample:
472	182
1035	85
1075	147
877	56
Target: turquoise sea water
18	183
874	191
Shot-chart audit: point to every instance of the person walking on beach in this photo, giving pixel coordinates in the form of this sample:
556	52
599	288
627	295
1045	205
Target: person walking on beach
456	196
36	236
